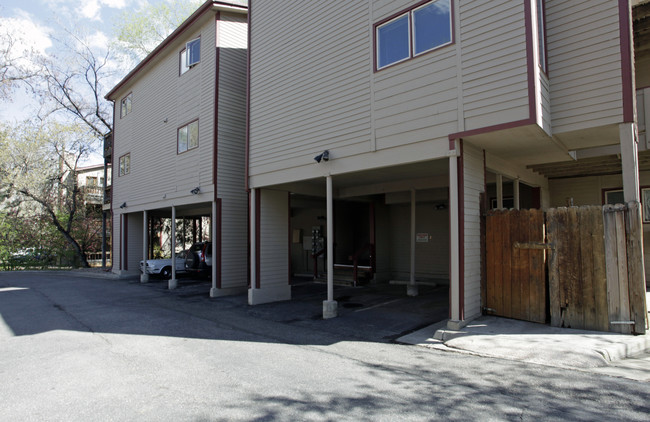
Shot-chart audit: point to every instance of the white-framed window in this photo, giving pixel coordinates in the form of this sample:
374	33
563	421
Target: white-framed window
125	105
190	55
541	35
413	32
614	196
125	164
188	136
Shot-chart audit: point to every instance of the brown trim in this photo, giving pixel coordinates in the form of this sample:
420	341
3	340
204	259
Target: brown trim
180	62
258	237
488	129
126	241
218	244
399	14
248	98
627	70
215	146
171	38
461	232
530	62
290	237
178	129
248	240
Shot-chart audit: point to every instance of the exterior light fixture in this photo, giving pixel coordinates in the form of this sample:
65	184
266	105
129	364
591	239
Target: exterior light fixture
123	205
196	190
324	156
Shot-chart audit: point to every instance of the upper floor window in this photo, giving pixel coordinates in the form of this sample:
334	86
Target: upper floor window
188	136
541	34
125	105
91	181
125	164
413	32
190	55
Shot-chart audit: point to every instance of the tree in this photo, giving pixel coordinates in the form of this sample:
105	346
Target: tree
17	64
38	163
139	33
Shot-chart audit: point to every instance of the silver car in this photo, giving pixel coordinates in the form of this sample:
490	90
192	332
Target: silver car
163	267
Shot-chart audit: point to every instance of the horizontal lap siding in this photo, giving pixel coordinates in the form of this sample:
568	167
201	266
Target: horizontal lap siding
474	185
545	102
232	41
310	86
159	94
494	73
584	63
274	241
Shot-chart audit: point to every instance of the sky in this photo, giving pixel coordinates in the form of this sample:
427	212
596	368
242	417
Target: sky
37	23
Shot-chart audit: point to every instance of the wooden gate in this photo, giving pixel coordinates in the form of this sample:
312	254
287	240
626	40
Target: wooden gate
515	264
596	274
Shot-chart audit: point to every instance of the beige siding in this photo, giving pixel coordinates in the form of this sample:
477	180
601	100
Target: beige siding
584	63
232	35
274	240
309	82
474	184
494	73
134	240
162	102
545	106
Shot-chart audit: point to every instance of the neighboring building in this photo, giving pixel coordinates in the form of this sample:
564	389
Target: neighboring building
179	143
92	183
413	109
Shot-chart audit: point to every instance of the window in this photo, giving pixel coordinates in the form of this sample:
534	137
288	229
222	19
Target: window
190	55
188	136
125	164
91	181
125	105
541	34
613	197
414	32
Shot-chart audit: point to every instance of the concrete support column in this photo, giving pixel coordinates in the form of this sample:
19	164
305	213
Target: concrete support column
412	288
173	283
253	236
629	161
330	305
454	238
144	277
515	191
499	191
213	289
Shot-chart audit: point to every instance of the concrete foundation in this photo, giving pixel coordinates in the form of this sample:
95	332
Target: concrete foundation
269	294
172	284
412	290
227	291
330	309
144	278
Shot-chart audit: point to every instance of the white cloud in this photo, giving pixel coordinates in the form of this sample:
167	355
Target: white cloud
27	36
91	9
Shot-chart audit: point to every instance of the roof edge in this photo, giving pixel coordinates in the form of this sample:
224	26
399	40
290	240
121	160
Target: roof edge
205	7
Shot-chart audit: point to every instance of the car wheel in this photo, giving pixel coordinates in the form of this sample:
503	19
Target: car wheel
166	272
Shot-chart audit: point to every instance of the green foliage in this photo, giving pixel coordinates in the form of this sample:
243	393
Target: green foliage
139	33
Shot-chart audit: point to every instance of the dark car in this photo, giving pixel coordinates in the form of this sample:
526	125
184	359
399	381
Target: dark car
199	259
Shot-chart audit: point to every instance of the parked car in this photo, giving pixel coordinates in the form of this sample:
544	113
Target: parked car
163	267
199	259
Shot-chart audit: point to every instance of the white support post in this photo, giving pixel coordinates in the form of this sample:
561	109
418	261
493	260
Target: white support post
144	277
454	232
213	291
629	162
412	288
499	191
515	189
173	283
330	305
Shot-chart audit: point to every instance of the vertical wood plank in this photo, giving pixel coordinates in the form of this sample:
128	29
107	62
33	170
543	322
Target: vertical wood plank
553	266
635	266
611	262
564	263
574	317
599	270
490	259
538	267
524	270
482	217
511	300
623	290
587	268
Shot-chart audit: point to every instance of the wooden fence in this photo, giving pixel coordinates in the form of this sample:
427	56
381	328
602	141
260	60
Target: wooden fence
515	270
593	256
596	274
